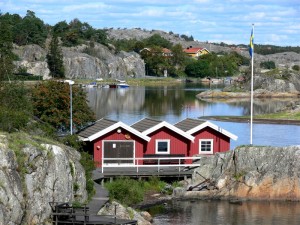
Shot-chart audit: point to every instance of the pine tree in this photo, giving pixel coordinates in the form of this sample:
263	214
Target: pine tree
55	59
6	54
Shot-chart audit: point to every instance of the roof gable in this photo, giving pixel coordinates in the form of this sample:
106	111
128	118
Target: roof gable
154	125
105	127
145	124
191	126
99	125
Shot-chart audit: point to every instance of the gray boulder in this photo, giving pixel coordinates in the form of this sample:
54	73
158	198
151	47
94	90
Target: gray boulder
271	173
83	62
33	174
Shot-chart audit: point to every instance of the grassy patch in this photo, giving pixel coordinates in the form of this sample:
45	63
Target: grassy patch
129	191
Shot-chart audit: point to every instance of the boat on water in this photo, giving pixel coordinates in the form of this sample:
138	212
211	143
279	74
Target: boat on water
123	85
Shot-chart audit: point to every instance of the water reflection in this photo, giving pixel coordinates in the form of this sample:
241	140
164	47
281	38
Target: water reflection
169	103
176	103
223	213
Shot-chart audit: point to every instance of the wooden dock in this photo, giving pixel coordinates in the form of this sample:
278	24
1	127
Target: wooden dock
144	171
65	214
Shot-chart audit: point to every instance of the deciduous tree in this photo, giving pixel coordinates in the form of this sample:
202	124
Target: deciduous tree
51	103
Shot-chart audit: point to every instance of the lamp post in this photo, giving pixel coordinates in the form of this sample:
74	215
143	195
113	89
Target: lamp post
71	82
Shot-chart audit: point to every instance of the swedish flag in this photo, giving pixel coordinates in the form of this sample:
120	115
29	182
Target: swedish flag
251	49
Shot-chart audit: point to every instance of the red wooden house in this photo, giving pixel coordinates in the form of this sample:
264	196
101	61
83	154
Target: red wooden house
209	138
109	141
166	139
114	140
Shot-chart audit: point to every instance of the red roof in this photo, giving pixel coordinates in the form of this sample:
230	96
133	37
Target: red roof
165	50
192	50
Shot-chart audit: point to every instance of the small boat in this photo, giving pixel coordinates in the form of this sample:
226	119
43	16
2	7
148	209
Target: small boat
123	85
92	84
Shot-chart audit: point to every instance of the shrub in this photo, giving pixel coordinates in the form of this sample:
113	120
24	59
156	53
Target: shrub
268	65
126	191
296	67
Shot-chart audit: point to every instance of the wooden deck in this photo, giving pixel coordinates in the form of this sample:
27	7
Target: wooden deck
139	167
144	171
64	214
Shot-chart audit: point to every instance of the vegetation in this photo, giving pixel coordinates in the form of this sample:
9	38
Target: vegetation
265	49
55	59
129	192
15	106
213	65
6	54
268	65
51	104
296	67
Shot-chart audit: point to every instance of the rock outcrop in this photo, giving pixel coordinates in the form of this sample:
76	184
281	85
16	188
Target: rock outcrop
34	173
83	62
122	212
257	173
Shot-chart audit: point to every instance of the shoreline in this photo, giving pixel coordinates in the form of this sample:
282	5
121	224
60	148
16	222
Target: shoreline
238	119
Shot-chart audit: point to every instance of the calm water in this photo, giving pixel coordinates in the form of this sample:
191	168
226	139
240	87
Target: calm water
174	104
224	213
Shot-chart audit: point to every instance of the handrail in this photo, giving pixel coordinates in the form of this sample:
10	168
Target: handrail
138	162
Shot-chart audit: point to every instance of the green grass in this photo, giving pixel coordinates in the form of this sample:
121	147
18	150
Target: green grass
129	191
280	115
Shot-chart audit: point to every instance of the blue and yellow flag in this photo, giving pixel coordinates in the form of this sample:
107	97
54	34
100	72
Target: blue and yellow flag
251	43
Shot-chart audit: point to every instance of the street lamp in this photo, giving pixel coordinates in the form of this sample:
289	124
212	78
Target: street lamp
71	82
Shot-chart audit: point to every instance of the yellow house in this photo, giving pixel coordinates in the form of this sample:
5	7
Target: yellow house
195	52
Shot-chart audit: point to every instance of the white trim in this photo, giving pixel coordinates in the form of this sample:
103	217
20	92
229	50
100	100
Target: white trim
211	145
133	159
171	127
115	127
213	126
162	140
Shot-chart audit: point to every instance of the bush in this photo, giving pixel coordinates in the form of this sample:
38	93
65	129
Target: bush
15	107
126	191
296	67
268	65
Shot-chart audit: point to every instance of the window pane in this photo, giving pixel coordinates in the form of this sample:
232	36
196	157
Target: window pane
162	146
205	146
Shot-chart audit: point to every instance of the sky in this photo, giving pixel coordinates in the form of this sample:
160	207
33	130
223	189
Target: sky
276	22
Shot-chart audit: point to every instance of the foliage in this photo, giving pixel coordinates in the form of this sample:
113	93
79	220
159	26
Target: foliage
268	65
157	40
129	191
296	67
186	38
55	59
15	106
6	54
213	65
125	190
88	164
28	30
51	101
265	49
76	33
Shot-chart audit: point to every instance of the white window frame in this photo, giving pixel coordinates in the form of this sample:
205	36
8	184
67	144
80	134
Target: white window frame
211	143
156	146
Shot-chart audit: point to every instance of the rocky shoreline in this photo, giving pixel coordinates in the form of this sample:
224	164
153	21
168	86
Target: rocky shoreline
259	93
247	173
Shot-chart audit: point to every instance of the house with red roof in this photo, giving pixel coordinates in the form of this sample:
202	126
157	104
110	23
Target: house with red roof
195	52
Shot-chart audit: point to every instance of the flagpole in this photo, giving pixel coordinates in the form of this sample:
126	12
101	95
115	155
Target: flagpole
251	108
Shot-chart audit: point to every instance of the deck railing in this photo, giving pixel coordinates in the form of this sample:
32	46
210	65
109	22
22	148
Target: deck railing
160	162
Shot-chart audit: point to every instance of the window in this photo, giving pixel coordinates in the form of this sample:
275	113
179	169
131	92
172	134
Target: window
162	146
206	146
